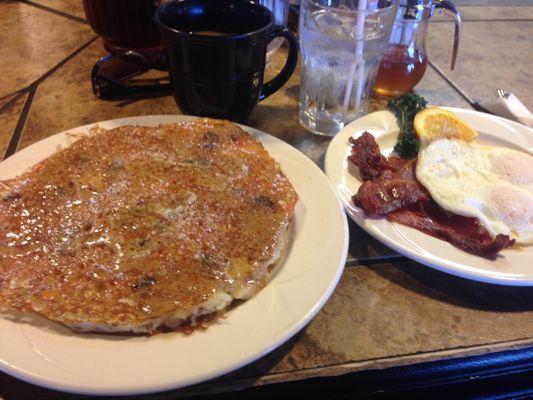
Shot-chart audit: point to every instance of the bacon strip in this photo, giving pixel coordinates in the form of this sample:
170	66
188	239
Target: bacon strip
391	191
463	232
368	158
389	183
390	188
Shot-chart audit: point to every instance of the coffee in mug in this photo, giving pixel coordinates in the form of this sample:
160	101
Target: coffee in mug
216	55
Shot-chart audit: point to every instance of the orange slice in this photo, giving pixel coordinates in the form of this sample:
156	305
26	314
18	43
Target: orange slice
434	123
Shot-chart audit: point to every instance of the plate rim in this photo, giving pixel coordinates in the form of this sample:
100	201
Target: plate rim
427	259
296	325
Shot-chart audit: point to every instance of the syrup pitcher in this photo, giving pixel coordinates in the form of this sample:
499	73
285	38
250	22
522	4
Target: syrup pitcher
405	60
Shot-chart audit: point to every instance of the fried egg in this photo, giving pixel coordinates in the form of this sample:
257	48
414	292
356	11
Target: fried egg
493	184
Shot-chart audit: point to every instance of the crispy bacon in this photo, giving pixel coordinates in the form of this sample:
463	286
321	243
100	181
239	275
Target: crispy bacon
463	232
390	183
368	158
390	188
391	191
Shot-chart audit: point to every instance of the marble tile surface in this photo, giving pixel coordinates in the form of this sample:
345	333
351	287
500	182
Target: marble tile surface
65	100
71	7
403	310
438	92
497	3
11	108
6	100
492	54
473	13
26	53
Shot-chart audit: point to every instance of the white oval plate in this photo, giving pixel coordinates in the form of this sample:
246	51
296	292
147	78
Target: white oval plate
512	267
47	354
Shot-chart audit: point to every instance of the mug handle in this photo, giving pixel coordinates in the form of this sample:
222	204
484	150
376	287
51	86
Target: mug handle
292	59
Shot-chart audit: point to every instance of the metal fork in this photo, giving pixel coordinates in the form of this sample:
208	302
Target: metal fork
501	94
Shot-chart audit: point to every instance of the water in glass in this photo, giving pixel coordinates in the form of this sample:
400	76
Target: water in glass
341	53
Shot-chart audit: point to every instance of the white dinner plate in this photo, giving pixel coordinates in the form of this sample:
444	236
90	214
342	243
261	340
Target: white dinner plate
50	355
512	266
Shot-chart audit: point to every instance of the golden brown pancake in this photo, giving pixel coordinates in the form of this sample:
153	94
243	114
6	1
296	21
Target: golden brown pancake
135	228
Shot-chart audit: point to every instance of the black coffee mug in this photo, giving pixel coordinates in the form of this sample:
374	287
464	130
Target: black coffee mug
216	55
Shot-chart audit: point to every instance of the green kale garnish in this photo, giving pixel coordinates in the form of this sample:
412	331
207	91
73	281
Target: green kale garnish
405	107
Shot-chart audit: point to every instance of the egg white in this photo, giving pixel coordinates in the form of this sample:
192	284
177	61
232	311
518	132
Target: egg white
493	184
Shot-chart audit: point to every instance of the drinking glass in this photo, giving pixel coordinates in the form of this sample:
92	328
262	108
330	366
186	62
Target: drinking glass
280	9
342	43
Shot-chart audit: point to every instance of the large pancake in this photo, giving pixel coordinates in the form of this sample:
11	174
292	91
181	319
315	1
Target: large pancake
136	227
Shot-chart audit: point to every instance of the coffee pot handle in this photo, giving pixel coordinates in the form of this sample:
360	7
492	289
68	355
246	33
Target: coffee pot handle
448	5
292	59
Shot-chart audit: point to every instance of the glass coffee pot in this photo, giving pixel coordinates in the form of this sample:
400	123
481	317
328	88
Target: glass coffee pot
405	60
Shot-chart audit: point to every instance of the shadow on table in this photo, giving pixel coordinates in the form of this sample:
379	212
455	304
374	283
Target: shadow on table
363	248
15	389
458	291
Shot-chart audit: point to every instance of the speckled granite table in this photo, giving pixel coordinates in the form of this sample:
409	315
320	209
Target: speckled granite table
387	311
